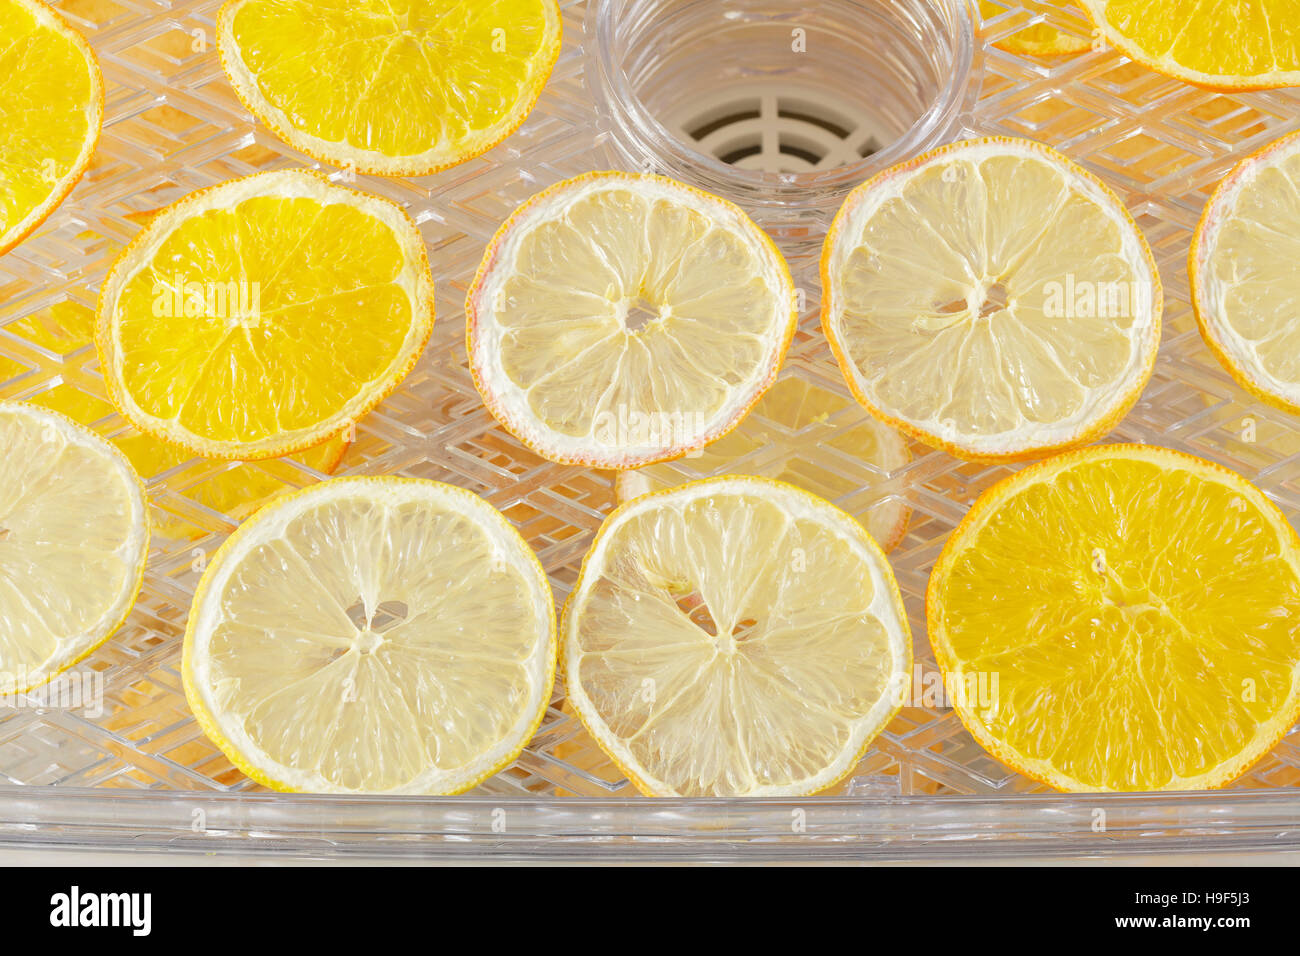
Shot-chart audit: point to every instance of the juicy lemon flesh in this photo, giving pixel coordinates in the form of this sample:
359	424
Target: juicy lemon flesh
957	301
235	491
1140	620
399	78
629	303
798	428
1253	267
371	642
46	91
730	615
296	305
1226	37
65	511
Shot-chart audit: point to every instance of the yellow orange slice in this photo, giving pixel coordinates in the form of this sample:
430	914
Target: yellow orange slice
392	88
1135	608
262	316
1222	45
51	111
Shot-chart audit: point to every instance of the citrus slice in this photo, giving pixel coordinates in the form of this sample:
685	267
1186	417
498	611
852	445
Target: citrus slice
1137	608
394	89
809	437
74	538
992	299
1243	276
262	316
232	489
1038	39
734	637
621	319
51	111
372	635
1221	45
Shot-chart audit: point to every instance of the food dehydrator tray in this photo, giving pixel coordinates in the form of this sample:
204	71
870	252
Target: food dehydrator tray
136	773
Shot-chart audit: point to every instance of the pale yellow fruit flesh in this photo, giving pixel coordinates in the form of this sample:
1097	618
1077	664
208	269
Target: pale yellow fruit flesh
369	643
1252	271
634	305
729	646
72	543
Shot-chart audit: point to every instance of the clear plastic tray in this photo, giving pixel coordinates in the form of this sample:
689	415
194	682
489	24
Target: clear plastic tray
136	773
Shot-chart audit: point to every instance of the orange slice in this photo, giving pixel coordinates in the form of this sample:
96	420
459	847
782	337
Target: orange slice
51	110
261	317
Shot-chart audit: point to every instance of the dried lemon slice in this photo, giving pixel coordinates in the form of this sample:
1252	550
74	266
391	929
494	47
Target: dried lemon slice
735	637
262	316
51	110
1243	273
1136	610
74	538
621	319
372	635
395	89
993	299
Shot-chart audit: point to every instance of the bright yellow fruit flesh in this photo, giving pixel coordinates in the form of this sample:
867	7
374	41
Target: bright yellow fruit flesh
50	103
1224	44
402	87
1138	607
255	327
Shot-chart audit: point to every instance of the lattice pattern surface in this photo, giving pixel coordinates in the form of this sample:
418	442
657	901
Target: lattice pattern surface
173	124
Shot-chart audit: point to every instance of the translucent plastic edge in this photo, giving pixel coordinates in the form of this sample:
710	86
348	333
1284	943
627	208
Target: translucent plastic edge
816	829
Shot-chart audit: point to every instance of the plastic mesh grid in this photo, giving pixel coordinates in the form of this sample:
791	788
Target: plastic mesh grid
173	125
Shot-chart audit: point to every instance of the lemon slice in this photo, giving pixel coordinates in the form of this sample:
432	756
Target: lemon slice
262	316
1137	607
395	89
1038	39
1243	273
1229	45
51	111
621	319
809	437
735	637
991	299
372	635
74	538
